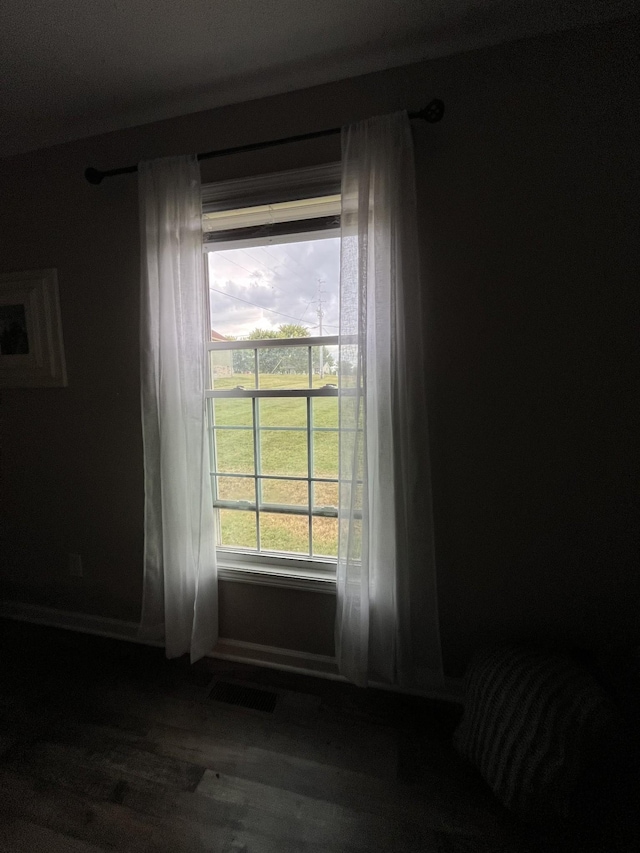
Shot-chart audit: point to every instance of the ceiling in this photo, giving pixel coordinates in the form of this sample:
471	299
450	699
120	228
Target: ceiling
74	68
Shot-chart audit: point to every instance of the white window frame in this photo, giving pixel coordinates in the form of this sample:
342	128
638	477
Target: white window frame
248	566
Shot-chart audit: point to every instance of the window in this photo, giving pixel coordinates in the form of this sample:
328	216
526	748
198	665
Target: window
272	262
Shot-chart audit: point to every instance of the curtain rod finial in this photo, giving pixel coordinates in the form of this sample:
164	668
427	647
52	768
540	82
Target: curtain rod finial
433	112
94	176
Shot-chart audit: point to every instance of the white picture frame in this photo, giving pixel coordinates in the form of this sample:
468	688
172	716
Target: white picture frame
31	348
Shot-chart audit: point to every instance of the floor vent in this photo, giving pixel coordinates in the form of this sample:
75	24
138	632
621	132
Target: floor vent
246	697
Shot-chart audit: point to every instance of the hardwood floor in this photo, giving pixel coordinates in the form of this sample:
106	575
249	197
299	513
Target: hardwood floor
106	746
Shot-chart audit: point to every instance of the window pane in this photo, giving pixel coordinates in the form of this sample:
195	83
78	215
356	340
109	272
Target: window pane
351	539
287	492
232	412
280	532
345	490
352	453
252	287
325	454
357	504
283	452
283	367
325	412
325	365
348	376
325	494
325	537
236	489
233	451
283	412
232	368
238	529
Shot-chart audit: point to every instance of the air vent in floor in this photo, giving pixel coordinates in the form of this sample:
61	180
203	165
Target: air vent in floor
245	697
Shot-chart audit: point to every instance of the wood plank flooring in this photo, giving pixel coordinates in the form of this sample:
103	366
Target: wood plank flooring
106	746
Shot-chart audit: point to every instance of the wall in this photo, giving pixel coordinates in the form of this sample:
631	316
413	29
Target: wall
529	211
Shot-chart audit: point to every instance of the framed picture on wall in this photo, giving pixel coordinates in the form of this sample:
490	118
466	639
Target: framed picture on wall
31	351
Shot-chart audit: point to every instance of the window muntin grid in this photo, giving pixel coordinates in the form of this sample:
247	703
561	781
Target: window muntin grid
241	442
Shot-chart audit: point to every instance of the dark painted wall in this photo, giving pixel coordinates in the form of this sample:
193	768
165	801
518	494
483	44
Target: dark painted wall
528	195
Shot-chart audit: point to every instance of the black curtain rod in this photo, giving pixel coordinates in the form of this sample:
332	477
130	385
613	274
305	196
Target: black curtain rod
432	113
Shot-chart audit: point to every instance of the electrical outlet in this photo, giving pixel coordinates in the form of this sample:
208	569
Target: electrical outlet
75	565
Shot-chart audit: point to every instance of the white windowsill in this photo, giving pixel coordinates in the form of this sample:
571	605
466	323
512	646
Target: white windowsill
279	576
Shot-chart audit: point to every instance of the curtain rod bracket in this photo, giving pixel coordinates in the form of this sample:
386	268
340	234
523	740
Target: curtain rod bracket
432	113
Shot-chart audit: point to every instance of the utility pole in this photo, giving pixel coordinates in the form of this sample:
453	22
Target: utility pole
320	314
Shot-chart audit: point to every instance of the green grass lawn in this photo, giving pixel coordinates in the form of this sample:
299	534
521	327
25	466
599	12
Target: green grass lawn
282	454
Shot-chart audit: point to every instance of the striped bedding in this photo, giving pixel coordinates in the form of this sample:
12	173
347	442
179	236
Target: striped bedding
531	719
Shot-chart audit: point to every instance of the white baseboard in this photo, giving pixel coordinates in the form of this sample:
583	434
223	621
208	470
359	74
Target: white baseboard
288	660
85	623
277	658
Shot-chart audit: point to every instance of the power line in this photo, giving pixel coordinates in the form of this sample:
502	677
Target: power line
295	272
239	265
295	260
291	258
285	266
273	270
307	308
251	273
255	304
266	266
275	257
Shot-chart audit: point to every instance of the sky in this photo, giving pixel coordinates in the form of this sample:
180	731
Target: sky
265	286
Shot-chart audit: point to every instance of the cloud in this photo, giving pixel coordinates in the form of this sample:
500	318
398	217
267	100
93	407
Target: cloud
265	286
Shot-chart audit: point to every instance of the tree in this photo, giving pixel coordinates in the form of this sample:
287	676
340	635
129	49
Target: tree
274	359
284	359
329	360
292	330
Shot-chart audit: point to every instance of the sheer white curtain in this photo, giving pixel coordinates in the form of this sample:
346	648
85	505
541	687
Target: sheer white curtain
387	617
180	578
